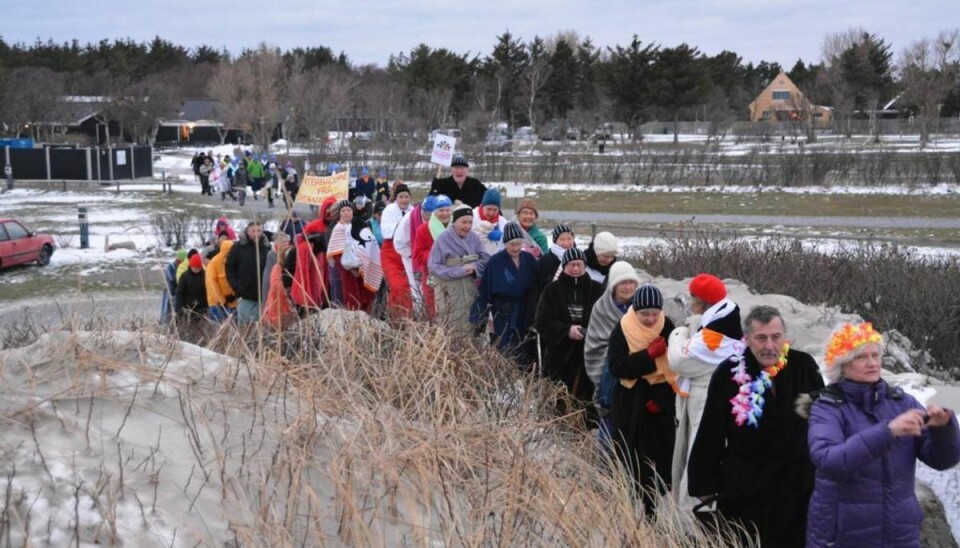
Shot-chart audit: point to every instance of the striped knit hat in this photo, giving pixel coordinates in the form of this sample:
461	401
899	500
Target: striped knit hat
573	254
512	232
560	229
647	296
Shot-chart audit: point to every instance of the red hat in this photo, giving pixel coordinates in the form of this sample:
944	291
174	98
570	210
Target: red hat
708	288
196	261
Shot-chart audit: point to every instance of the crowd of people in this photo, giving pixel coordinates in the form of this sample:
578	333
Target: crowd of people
714	410
251	174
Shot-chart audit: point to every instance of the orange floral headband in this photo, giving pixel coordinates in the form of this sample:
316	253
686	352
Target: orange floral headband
849	338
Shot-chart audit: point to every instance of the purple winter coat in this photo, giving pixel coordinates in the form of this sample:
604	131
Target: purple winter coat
864	490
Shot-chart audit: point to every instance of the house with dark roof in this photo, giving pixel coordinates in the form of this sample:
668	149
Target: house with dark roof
197	121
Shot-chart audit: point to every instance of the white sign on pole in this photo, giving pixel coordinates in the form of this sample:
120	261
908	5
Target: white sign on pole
121	157
443	147
514	190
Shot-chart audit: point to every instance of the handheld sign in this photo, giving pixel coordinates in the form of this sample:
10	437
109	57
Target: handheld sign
443	147
314	190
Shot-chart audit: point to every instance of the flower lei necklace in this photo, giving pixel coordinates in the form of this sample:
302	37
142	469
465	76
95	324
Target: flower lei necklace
748	403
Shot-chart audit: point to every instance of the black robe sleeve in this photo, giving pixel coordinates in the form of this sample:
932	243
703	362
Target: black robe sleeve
706	455
551	320
623	364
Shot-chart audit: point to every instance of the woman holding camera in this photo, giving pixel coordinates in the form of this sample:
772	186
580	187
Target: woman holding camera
865	438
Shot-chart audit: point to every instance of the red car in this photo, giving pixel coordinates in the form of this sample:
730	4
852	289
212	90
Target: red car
21	246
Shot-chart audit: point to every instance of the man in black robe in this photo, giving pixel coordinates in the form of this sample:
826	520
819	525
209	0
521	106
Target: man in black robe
459	186
754	461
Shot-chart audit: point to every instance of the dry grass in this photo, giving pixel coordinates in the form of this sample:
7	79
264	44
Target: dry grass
338	431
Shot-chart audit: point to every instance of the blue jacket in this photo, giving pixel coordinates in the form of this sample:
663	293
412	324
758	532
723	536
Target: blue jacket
510	293
864	490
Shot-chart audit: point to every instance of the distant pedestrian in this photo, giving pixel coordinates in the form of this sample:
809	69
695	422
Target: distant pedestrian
204	172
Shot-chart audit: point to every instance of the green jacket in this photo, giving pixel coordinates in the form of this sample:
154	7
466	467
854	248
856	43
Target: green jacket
254	169
539	237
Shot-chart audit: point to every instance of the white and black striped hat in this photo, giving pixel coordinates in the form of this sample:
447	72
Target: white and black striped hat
573	254
647	296
512	232
560	229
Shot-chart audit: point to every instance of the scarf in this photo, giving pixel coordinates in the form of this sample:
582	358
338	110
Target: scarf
338	239
530	245
494	221
605	316
558	253
638	338
371	269
708	345
436	226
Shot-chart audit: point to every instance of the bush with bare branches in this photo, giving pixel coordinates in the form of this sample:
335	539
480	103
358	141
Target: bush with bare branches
892	286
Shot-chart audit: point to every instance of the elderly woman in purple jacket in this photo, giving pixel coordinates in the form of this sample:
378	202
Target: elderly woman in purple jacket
865	438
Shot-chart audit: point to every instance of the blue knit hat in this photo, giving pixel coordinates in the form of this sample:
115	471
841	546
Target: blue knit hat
430	203
491	197
647	296
443	201
364	171
512	232
573	254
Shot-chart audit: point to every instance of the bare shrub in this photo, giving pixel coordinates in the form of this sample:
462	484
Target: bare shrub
894	287
172	228
64	241
201	228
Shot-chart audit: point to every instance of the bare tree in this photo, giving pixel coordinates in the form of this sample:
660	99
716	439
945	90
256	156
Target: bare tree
139	107
317	97
250	90
929	70
535	76
33	102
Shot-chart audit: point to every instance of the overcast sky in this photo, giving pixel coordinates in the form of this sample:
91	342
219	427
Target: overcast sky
772	30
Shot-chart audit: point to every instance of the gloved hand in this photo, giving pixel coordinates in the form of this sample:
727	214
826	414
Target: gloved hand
657	348
495	235
653	407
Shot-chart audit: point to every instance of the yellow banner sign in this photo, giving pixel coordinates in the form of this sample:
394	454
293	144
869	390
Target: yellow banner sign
314	190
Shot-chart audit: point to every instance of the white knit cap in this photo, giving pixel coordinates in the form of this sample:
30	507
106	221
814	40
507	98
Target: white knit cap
621	271
605	242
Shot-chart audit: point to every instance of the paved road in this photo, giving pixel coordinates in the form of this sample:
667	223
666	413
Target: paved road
769	220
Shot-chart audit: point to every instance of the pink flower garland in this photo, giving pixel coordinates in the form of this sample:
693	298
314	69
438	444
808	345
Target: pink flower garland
747	405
